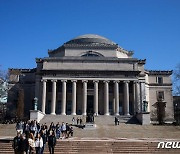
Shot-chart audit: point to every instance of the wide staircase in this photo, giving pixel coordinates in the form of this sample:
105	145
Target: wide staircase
98	147
99	120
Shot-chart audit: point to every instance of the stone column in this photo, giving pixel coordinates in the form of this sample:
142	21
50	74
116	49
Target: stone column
63	103
134	98
84	102
126	97
106	97
142	95
44	96
116	95
95	97
137	91
53	103
73	111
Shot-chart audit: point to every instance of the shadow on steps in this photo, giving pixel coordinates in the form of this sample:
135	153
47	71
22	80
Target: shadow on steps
133	120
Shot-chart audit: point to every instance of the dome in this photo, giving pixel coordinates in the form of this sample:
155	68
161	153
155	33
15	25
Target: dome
91	39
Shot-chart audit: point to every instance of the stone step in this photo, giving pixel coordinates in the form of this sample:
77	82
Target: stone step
99	120
99	147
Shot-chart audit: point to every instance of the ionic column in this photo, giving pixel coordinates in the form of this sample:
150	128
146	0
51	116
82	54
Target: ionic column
44	96
137	93
95	97
63	104
106	97
53	103
134	98
84	105
116	95
73	111
126	97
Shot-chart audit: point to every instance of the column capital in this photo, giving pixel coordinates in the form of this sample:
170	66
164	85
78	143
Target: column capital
73	80
53	80
85	81
106	81
43	80
63	80
95	81
126	81
116	81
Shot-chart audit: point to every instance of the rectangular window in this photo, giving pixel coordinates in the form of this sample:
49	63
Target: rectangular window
159	80
160	95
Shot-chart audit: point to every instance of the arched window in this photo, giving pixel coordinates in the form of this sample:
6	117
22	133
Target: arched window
91	54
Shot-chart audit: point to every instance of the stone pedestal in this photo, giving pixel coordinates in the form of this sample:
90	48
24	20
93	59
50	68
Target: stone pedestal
36	115
144	118
90	126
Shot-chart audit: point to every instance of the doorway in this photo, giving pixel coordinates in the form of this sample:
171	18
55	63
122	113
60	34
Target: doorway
90	104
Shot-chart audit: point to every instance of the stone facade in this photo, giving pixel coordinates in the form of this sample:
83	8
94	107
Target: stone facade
91	74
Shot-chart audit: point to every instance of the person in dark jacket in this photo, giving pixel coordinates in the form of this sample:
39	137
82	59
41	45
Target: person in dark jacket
16	143
52	142
44	137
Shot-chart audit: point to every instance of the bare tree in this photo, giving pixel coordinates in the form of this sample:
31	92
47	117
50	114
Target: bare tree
20	104
177	80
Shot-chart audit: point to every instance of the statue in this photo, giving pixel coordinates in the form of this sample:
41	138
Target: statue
35	103
145	105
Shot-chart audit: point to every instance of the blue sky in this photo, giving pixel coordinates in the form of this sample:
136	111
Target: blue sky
151	28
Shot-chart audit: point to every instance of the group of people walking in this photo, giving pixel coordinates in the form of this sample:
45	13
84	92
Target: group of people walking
77	121
32	137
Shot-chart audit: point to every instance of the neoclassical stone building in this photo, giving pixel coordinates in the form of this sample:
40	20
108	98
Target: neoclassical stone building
92	74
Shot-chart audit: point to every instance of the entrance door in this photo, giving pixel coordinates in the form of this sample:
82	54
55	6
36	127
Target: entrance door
90	102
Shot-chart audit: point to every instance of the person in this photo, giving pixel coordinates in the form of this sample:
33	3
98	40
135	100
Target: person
19	127
67	130
44	137
31	142
26	142
63	130
58	131
52	142
38	143
73	121
118	121
33	128
23	144
80	121
71	131
77	120
26	128
16	143
115	120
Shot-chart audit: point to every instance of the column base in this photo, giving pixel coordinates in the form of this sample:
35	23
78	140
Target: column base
53	113
116	114
127	114
73	113
95	114
63	113
106	114
84	114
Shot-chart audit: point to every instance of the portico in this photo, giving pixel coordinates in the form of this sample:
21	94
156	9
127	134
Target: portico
85	91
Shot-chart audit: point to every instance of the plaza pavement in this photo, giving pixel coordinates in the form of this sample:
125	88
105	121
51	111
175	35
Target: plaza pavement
111	132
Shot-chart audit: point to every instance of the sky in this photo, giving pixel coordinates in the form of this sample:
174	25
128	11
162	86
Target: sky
151	28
